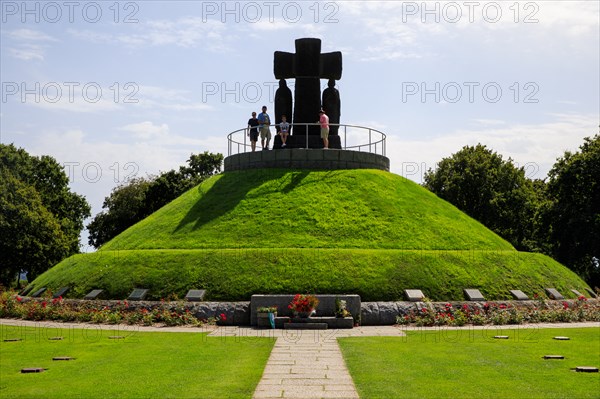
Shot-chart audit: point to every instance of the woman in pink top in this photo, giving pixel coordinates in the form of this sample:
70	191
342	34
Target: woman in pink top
324	121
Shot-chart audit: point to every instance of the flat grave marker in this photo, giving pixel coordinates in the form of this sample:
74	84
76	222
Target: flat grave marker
63	358
554	294
55	339
138	294
195	295
591	292
519	295
93	294
61	292
473	294
38	292
32	370
25	291
414	295
553	357
562	338
586	369
500	336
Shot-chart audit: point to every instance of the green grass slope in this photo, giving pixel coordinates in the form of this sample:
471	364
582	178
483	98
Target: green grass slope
308	209
376	275
364	232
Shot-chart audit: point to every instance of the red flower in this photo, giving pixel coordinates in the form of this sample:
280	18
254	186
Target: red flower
502	306
19	299
565	305
44	304
582	298
223	317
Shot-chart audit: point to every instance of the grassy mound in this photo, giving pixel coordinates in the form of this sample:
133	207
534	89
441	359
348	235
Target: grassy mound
308	209
376	275
364	232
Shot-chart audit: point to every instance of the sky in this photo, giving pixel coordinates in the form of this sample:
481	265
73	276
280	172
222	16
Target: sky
114	90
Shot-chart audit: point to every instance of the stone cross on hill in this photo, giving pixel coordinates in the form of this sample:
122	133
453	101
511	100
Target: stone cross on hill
307	66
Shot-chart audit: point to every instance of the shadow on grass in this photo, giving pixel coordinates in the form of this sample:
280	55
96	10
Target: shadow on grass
233	187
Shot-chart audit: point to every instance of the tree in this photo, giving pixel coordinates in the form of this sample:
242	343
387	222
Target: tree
570	220
133	201
40	218
494	191
51	182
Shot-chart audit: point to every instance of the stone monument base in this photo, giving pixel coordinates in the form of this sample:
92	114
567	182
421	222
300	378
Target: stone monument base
299	158
299	141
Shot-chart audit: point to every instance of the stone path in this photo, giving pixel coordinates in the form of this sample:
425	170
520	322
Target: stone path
306	363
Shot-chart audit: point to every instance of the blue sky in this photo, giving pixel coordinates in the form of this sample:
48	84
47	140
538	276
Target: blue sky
112	89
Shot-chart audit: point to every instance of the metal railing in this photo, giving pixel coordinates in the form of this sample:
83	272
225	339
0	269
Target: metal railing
351	137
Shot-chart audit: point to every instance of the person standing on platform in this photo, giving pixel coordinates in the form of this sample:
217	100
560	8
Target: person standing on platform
324	121
265	133
253	131
284	130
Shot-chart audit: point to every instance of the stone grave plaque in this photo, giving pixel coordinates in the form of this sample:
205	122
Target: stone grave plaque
592	293
500	336
61	292
577	293
12	340
519	295
63	358
38	292
25	291
586	369
93	294
549	357
195	295
562	338
414	295
55	339
32	370
554	294
473	294
116	337
138	294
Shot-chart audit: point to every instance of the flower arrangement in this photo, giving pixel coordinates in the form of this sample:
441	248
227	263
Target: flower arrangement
303	303
341	309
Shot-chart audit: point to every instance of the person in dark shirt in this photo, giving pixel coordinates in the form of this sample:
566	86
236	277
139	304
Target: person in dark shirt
253	131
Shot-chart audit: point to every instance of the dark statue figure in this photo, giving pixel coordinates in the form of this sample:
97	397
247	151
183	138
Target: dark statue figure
307	66
283	103
332	105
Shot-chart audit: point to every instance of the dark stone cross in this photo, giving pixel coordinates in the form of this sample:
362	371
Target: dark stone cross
307	66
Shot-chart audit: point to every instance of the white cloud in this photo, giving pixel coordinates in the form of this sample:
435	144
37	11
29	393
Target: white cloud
30	35
535	146
28	44
28	52
147	130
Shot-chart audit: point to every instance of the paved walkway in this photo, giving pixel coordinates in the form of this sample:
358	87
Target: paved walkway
307	363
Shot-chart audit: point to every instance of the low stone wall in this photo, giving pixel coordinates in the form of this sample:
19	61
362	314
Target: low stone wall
306	159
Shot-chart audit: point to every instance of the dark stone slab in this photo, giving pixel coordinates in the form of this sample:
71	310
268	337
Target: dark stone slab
138	294
63	358
305	326
577	293
553	357
369	315
500	336
116	337
195	295
280	321
38	292
55	339
32	370
519	295
12	340
554	294
61	292
414	295
592	293
326	305
93	294
586	369
473	294
562	338
25	291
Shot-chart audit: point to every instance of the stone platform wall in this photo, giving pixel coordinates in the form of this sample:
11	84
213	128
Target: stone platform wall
306	159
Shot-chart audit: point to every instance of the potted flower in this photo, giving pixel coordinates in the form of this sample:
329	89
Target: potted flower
303	305
266	316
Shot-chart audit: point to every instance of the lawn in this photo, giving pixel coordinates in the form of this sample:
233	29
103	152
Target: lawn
142	365
471	364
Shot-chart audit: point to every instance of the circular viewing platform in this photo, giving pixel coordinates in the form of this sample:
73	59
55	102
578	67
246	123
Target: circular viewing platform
354	147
